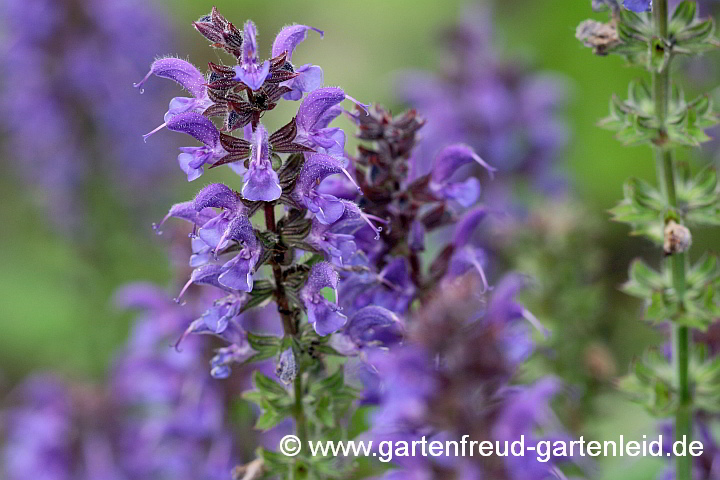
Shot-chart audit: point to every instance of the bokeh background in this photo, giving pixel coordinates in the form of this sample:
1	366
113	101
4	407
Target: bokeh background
63	255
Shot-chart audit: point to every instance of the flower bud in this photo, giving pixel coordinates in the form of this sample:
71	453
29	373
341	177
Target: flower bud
677	238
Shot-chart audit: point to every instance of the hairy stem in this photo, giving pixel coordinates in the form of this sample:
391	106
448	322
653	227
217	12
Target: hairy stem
289	327
676	262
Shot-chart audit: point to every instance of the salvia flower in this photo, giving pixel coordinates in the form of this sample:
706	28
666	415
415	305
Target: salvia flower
261	181
323	314
186	75
248	71
327	208
192	159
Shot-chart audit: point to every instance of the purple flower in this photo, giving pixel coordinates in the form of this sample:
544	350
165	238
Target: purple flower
447	162
327	208
337	240
391	288
638	5
465	256
187	76
261	181
368	328
289	38
192	159
323	314
248	71
217	232
314	116
38	433
310	77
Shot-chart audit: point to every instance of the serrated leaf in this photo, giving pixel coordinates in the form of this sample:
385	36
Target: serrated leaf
267	386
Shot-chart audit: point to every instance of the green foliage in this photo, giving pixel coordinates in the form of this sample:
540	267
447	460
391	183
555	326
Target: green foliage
651	382
646	210
699	305
636	123
643	208
699	196
687	35
272	398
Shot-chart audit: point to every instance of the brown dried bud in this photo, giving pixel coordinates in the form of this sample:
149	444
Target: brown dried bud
250	471
677	238
600	362
601	37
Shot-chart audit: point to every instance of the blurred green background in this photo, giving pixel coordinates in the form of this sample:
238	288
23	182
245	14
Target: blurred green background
55	308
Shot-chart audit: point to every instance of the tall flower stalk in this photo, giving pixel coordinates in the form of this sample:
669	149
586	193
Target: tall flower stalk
680	294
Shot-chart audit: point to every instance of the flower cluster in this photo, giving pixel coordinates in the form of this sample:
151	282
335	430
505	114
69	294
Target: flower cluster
159	416
503	110
388	270
228	251
89	53
454	384
339	240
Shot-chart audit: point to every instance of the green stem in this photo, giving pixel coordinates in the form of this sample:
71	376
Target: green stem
289	328
676	262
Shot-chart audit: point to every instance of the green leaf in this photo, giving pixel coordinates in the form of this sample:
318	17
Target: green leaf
267	386
682	17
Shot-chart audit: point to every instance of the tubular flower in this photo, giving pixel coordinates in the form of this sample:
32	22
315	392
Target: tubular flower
323	314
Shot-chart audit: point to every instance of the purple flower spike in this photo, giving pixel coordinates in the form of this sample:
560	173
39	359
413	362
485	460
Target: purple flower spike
261	181
323	314
185	211
248	72
327	208
192	159
290	37
638	5
205	275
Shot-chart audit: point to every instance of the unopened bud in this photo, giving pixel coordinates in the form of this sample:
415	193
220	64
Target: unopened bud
677	238
601	37
286	368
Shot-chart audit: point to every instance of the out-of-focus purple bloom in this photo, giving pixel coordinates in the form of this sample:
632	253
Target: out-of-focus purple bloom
38	438
368	328
508	114
456	383
447	163
323	314
261	181
77	46
391	288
